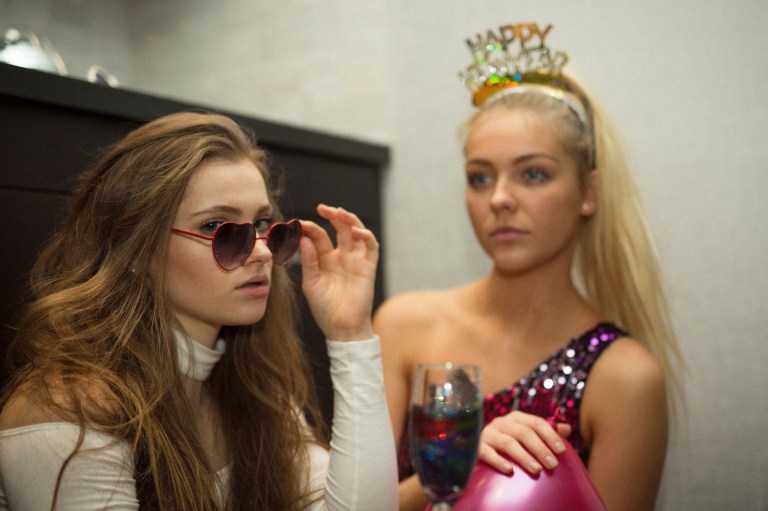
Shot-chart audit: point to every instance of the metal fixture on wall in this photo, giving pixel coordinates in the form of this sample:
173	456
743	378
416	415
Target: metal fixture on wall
25	49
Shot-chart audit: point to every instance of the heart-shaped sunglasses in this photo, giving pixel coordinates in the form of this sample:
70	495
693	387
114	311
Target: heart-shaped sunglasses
233	242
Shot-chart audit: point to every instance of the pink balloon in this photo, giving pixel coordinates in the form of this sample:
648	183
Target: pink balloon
566	487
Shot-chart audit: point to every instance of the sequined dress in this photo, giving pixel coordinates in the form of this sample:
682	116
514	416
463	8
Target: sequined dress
554	389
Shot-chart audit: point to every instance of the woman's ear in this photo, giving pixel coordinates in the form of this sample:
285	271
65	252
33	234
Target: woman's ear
589	202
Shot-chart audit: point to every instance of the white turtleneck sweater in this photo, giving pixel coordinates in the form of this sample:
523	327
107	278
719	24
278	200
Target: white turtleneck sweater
359	471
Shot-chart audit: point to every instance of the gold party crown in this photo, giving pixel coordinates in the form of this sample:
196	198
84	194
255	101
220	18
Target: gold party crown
517	55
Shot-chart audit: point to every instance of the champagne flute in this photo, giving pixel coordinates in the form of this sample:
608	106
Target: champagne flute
444	427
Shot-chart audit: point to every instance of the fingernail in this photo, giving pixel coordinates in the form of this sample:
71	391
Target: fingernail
550	462
507	468
535	467
559	447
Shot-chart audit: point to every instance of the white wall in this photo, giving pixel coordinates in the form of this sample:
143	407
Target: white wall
685	80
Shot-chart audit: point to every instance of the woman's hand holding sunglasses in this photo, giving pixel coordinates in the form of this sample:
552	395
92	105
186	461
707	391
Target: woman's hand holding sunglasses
338	281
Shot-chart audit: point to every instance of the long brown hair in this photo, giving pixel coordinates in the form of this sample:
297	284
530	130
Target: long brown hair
96	345
616	264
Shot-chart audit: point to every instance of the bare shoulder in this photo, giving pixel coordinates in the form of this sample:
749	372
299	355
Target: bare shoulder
628	363
626	384
28	406
411	323
26	409
411	309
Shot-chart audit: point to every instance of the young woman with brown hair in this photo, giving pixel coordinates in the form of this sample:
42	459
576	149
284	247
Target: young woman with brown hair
158	365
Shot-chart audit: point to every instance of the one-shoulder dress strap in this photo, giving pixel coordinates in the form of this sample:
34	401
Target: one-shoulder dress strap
554	389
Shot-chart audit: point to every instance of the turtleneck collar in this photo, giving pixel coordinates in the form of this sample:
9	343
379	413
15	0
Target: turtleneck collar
195	360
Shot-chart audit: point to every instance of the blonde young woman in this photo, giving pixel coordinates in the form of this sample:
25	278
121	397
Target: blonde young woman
570	327
159	367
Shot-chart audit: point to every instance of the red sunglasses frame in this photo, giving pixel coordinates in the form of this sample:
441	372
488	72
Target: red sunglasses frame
256	238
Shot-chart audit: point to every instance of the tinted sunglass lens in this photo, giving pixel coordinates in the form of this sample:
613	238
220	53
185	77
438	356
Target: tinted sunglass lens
232	244
283	240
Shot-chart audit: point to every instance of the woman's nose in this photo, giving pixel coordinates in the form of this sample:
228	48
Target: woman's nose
260	252
504	196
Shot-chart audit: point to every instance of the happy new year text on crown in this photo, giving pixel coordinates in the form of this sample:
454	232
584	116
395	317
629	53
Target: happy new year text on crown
513	56
523	33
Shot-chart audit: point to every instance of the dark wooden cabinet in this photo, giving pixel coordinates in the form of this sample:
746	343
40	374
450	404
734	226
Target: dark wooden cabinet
51	128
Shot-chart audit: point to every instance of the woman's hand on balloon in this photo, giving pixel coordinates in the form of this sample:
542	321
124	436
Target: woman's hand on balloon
528	440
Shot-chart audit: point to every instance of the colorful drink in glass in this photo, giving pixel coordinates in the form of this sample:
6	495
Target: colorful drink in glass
445	423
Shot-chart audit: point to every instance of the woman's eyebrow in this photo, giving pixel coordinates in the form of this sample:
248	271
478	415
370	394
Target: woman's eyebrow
232	210
516	161
478	161
525	157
